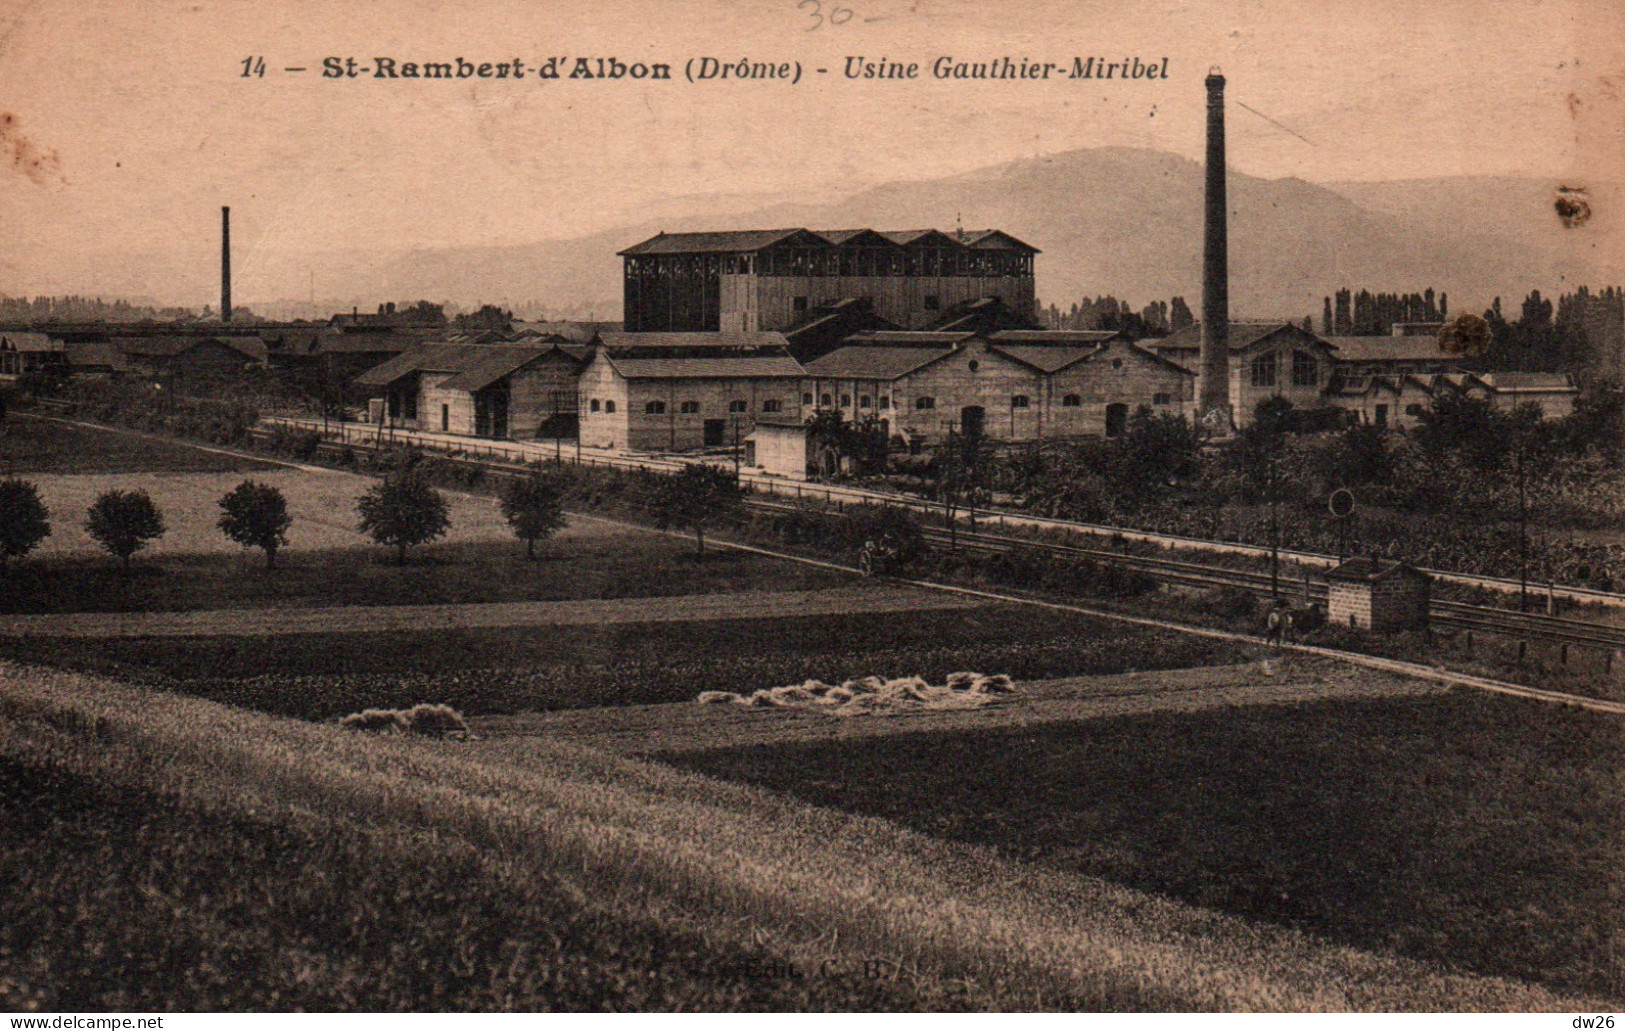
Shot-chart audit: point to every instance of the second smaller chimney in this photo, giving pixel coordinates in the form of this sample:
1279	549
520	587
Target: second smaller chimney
225	264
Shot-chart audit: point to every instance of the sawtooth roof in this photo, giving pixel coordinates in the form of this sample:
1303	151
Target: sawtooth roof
747	240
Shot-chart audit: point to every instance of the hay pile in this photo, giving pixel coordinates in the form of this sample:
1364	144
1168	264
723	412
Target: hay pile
425	720
874	695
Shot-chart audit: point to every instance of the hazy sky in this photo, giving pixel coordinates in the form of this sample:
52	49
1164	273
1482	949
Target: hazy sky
129	123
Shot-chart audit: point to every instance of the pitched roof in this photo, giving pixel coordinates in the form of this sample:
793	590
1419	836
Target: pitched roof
1366	569
1053	336
1388	349
575	331
1242	335
878	363
909	338
95	354
1046	358
483	370
738	241
29	342
417	359
622	341
993	239
720	242
771	366
169	346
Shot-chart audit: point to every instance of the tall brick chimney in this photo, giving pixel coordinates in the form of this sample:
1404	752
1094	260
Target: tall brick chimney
225	264
1213	383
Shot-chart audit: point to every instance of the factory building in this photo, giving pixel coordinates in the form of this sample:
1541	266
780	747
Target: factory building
769	280
682	391
1006	385
482	390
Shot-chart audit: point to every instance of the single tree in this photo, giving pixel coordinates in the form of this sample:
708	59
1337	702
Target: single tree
255	515
402	511
534	507
694	498
124	521
23	520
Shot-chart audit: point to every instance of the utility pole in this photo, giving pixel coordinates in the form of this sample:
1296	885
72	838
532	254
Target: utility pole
1523	527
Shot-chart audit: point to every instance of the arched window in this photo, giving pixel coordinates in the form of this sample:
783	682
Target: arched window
1264	370
654	408
738	406
770	405
824	400
1305	371
609	407
846	400
806	399
1161	399
922	403
690	408
1071	401
885	401
863	401
1019	401
594	405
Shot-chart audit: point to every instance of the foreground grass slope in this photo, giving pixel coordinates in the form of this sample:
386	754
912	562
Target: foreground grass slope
602	866
1471	829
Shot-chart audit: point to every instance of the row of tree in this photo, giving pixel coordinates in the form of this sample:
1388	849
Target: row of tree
1157	319
402	511
1368	314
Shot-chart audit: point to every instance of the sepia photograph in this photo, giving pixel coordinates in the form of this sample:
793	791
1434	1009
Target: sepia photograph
839	506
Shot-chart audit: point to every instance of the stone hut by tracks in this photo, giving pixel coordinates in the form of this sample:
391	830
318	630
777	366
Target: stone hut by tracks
1378	594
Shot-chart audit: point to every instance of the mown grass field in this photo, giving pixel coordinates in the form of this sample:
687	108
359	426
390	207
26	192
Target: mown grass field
164	852
590	560
1467	829
30	445
481	671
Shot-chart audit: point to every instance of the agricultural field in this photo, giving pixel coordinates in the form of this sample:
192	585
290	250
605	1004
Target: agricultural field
1469	830
30	446
328	561
167	852
506	670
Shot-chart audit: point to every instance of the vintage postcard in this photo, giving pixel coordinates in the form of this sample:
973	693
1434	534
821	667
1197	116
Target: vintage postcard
811	505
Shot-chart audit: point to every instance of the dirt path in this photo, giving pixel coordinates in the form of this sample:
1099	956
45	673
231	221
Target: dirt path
375	618
688	726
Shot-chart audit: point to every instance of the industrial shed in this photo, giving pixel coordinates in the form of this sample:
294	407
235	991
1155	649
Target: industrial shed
1378	594
482	390
1008	385
682	391
779	447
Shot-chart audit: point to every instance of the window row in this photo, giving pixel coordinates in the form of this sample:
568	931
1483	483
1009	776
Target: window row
923	403
736	407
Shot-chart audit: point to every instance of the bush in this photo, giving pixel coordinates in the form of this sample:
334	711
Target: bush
24	521
123	521
1230	602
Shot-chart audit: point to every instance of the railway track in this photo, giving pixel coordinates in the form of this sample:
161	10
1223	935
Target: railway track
1443	615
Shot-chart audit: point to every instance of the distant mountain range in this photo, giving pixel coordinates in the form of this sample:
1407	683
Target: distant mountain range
1127	222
